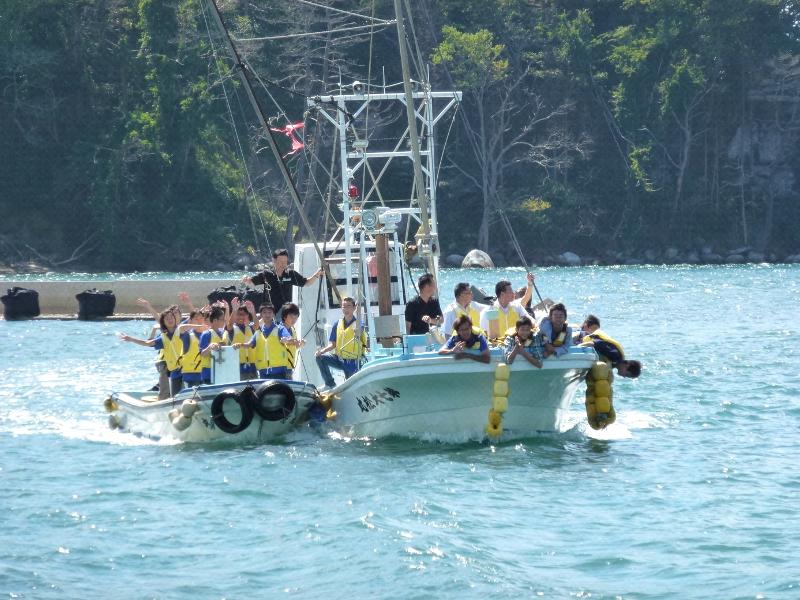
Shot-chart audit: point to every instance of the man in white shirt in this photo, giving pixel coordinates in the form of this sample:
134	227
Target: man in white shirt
463	305
508	312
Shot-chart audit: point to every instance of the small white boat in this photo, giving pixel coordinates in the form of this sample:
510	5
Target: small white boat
240	411
249	411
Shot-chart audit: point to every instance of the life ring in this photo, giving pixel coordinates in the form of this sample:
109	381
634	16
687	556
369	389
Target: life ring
218	414
274	401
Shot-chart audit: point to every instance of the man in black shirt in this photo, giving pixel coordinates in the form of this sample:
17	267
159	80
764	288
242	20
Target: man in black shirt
279	279
424	310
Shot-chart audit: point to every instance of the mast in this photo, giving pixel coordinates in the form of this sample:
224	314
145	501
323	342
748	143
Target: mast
242	70
427	245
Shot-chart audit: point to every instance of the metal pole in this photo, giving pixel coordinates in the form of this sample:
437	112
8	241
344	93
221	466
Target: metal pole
422	196
242	70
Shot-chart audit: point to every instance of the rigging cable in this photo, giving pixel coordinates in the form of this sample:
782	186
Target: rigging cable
419	62
270	38
346	12
251	187
501	210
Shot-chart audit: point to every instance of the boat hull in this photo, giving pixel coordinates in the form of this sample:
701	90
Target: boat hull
429	395
142	414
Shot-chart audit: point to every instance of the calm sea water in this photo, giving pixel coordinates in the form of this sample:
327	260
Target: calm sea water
694	493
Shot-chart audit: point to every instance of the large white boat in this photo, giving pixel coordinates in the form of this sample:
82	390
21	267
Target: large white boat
405	387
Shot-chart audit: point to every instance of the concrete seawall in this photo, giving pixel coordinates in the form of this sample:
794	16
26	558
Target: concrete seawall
57	298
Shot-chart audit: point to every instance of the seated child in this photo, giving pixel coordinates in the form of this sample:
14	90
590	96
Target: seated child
525	343
465	341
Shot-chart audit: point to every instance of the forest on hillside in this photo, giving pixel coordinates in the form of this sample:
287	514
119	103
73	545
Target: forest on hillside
609	128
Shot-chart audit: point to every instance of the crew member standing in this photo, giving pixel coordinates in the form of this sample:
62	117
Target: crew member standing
278	279
424	310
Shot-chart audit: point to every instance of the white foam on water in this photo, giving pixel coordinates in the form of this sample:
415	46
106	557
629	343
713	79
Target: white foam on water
90	428
627	422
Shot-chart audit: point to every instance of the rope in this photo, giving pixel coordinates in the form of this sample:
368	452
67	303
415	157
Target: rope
309	33
447	137
419	61
345	12
251	187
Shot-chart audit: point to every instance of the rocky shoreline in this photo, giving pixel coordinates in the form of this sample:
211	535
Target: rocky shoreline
705	255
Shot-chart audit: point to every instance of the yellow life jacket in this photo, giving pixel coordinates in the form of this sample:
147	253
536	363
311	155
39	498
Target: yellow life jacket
507	321
216	338
172	349
599	334
192	361
560	338
268	351
473	314
476	345
476	331
240	336
290	352
347	346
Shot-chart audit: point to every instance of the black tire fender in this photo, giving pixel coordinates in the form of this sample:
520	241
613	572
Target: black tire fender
218	414
274	401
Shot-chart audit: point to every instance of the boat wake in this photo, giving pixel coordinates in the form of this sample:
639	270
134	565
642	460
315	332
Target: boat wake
627	423
89	428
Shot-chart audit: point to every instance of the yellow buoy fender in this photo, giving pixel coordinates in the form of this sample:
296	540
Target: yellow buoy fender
599	406
494	430
600	370
500	404
502	372
500	388
602	388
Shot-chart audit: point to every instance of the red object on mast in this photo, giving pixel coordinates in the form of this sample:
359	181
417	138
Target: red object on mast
289	131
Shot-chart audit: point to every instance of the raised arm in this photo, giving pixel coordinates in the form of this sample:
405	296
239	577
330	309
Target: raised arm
126	338
187	302
528	291
314	277
145	304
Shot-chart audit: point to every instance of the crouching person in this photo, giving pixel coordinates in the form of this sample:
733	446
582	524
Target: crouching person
466	341
348	341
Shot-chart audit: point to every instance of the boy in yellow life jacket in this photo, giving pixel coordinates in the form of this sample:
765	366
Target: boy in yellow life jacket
348	342
191	360
213	338
525	343
168	344
608	348
269	355
557	333
241	330
290	312
466	341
